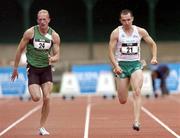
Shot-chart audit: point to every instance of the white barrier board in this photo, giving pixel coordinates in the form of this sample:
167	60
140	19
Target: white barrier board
69	85
106	84
147	88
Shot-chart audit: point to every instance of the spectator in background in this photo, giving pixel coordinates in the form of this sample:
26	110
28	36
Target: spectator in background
42	46
161	72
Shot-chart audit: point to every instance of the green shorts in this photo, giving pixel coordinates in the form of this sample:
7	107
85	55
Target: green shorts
128	68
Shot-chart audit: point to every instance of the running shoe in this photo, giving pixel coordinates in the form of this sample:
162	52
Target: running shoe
136	126
43	131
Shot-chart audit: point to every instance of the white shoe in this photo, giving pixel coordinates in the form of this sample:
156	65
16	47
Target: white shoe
136	126
43	131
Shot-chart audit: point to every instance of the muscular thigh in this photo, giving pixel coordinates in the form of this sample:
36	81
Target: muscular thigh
34	90
47	88
137	79
122	86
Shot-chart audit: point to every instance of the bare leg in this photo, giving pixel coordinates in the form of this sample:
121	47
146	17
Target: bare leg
137	102
46	89
136	82
122	89
34	90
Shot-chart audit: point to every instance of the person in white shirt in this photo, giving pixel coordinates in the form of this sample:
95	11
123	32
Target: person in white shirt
124	55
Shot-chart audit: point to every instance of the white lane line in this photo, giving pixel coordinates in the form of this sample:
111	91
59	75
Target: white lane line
160	122
86	130
20	120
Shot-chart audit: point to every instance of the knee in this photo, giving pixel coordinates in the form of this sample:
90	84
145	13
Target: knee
35	99
122	97
46	99
122	101
138	92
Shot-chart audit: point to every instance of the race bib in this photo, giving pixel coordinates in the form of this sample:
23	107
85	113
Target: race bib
42	44
129	50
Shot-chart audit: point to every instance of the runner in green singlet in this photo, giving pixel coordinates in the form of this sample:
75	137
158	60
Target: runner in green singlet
42	46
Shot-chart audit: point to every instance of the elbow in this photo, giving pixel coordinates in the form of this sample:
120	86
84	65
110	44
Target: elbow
57	59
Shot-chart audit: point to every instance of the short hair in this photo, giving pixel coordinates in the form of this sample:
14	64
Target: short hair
125	12
43	11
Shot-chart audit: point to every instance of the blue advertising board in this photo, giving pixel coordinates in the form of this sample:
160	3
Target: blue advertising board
88	74
9	88
173	80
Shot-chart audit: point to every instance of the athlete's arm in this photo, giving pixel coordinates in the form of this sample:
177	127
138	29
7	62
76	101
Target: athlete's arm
22	45
147	38
111	50
55	48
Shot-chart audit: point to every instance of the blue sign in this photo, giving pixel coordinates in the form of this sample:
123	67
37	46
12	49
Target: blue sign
9	88
174	77
87	75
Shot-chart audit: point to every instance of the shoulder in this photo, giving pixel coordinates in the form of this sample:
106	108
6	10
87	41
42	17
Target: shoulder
142	31
29	33
55	37
115	33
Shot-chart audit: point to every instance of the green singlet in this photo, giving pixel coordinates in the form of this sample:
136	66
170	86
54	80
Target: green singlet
39	48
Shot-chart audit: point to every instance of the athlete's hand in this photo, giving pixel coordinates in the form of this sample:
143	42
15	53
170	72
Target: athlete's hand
117	70
14	74
51	59
154	61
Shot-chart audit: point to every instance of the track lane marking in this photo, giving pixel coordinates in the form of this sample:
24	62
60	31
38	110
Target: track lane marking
88	112
159	122
20	119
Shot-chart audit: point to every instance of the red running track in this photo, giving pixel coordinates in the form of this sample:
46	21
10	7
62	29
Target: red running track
91	117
